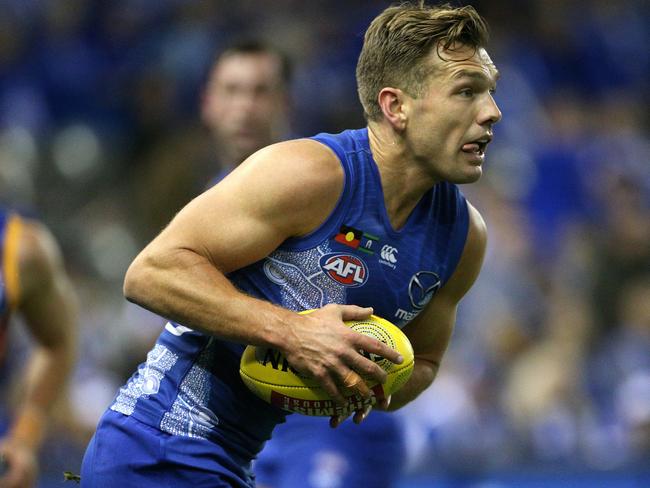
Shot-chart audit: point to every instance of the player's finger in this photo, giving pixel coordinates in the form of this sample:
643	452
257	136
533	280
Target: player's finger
366	368
356	385
374	346
353	312
330	387
335	421
360	415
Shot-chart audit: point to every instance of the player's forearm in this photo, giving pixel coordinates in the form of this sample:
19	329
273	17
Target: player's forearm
424	372
185	287
45	380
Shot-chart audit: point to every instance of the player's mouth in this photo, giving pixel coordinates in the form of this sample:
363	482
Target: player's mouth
476	148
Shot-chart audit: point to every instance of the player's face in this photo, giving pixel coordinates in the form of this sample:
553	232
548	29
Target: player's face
450	125
245	103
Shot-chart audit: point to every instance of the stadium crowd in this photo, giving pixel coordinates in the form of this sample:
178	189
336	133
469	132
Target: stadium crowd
549	368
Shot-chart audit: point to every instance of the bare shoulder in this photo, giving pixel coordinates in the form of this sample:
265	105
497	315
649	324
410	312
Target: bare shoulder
301	180
297	164
37	246
38	253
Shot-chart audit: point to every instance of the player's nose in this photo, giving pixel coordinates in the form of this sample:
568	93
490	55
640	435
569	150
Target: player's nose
490	112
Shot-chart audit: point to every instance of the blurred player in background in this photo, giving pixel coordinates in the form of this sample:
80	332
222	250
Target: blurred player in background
368	220
33	284
246	102
247	106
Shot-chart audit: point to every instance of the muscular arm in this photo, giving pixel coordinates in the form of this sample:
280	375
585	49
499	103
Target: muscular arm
431	331
282	191
48	306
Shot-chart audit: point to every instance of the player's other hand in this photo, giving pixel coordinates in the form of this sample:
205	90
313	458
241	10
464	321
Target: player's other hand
360	415
19	465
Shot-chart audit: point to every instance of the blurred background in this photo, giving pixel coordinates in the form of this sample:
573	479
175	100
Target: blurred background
547	381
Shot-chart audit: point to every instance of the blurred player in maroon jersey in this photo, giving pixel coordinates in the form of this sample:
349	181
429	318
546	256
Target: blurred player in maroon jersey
33	284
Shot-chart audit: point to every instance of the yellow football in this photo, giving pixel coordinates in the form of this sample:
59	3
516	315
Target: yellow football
268	375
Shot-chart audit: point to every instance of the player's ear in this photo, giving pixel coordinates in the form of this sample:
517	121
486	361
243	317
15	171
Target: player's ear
391	102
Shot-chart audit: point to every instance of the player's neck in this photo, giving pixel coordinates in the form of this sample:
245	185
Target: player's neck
402	180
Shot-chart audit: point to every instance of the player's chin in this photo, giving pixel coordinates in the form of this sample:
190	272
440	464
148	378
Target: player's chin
474	174
469	175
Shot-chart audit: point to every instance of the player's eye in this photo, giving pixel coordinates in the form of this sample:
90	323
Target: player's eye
466	92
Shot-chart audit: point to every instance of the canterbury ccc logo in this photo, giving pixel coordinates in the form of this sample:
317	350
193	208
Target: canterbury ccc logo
345	269
388	254
422	286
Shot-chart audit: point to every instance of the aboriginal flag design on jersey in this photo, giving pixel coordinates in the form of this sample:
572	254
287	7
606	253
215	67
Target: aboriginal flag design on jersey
349	236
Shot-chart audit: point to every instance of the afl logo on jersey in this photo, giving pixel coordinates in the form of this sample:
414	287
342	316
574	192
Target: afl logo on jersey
346	269
422	287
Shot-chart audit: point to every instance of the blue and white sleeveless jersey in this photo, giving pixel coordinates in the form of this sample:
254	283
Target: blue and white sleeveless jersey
190	384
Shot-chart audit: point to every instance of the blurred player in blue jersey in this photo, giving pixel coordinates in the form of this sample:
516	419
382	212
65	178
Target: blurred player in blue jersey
33	285
368	220
252	80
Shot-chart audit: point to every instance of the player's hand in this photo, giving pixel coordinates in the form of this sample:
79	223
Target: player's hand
360	415
322	346
20	465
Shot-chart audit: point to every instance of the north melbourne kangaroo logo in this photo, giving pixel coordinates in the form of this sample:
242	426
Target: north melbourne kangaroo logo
422	286
388	254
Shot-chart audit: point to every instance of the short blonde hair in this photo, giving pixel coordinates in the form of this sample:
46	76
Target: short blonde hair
400	37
